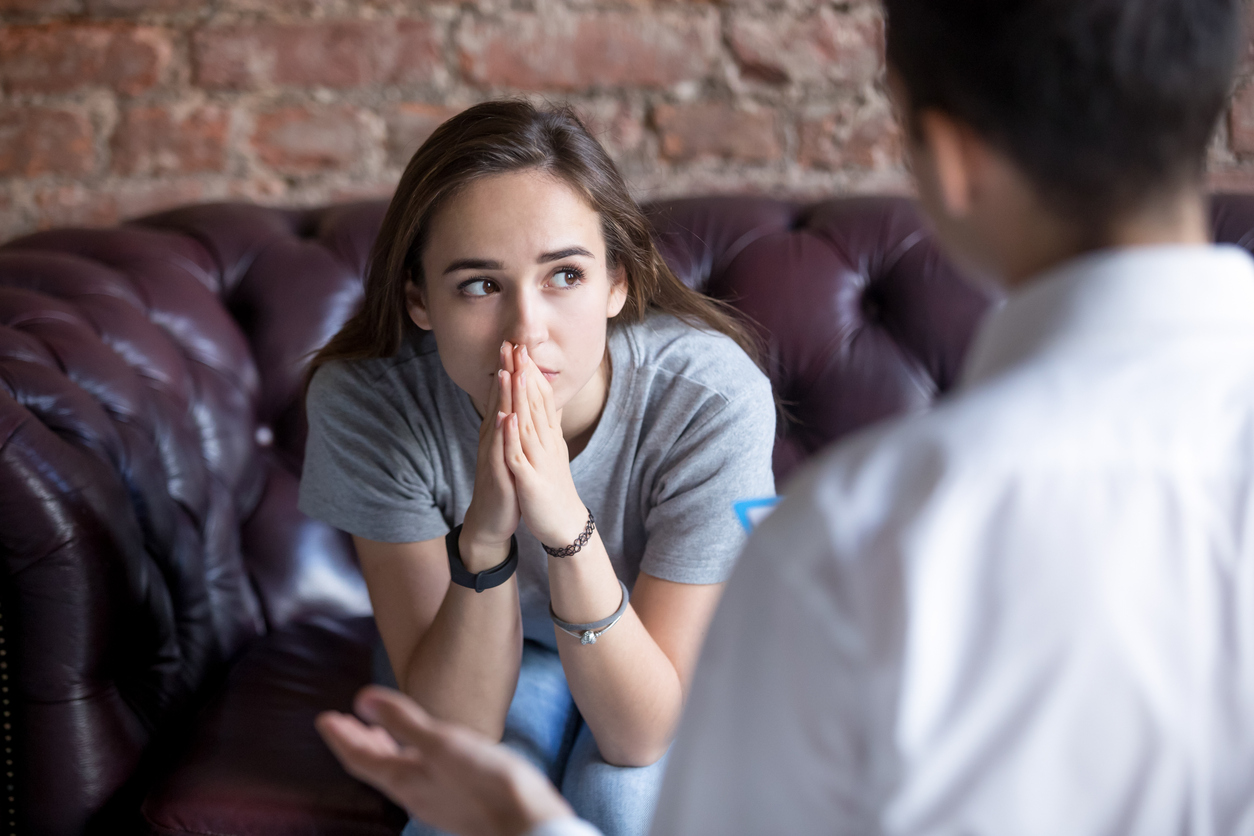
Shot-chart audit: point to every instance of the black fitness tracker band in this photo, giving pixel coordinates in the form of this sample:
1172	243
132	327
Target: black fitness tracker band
478	581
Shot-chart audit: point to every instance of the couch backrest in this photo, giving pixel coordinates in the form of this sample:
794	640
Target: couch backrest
860	316
124	477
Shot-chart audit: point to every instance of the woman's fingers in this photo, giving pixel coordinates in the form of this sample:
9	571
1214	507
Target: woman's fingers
535	401
501	386
490	430
500	467
543	398
539	413
521	395
494	401
515	457
532	421
551	413
505	392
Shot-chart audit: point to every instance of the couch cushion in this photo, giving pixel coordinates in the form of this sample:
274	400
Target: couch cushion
255	764
859	316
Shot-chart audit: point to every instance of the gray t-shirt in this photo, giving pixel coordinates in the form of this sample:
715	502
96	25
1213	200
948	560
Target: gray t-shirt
687	431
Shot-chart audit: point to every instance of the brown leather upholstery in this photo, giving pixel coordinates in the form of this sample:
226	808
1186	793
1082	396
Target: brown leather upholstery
171	623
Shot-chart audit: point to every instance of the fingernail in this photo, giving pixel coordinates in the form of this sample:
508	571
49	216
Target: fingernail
524	352
522	377
505	345
500	416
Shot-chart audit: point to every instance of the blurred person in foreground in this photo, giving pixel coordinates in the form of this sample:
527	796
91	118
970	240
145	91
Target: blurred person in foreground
1031	610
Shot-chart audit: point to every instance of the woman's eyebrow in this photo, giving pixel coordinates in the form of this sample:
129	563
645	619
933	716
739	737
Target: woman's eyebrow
472	264
558	255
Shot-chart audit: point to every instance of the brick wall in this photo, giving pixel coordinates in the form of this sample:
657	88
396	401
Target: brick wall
113	108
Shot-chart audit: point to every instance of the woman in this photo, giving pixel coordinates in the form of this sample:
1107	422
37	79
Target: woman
526	365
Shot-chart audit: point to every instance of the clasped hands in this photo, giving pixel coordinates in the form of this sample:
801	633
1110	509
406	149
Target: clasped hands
523	467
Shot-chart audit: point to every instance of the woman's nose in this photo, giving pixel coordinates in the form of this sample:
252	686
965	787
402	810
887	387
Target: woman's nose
526	325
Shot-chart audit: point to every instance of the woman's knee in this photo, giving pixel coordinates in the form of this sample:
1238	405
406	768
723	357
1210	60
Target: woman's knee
620	800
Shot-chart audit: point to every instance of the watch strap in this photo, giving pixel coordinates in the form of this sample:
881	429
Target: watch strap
478	581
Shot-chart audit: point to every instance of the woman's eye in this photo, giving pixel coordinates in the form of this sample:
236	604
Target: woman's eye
477	287
567	278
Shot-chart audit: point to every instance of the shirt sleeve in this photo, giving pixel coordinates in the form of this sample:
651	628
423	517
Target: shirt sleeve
788	728
722	456
367	469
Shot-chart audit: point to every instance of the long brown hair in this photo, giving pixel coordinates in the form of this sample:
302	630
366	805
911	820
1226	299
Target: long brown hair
495	138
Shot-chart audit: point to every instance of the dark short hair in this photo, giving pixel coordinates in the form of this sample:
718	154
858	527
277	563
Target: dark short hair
1103	104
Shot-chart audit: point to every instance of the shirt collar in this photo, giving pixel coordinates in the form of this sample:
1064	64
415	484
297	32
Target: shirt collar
1148	292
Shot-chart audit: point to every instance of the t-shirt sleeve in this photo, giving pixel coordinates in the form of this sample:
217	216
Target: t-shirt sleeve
721	457
367	470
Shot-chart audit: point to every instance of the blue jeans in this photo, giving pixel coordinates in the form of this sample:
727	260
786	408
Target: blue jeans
544	726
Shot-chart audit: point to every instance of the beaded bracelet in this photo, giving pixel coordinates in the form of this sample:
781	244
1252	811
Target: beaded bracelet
580	541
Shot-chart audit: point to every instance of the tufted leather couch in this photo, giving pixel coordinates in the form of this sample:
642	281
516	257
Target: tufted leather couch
170	623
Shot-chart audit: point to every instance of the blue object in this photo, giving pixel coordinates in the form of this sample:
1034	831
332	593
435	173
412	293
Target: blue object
753	511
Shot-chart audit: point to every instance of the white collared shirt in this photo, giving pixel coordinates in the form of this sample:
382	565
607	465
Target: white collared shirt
1029	611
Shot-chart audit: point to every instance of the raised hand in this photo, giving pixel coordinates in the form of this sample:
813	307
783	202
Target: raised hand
444	775
537	457
494	511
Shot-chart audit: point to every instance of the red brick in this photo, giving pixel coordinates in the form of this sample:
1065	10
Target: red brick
300	140
588	50
78	205
649	5
40	7
40	140
364	190
261	188
409	125
339	54
1241	120
144	198
1231	179
59	57
691	132
163	140
294	8
75	205
840	141
12	220
615	125
823	46
102	8
1246	62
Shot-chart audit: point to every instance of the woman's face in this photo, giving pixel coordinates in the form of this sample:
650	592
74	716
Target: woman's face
520	257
